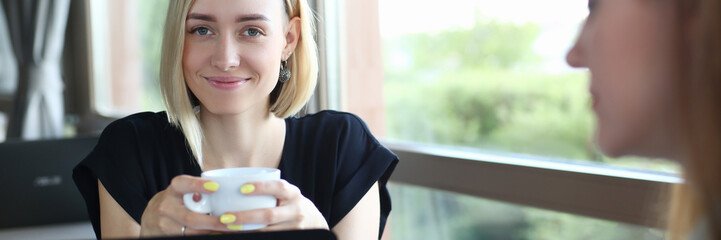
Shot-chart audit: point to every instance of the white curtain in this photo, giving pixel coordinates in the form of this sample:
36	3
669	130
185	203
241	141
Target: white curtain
8	68
37	28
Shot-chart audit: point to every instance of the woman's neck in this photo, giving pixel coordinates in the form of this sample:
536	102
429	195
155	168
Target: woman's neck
250	139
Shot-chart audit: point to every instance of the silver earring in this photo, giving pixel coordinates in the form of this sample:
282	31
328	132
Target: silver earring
284	72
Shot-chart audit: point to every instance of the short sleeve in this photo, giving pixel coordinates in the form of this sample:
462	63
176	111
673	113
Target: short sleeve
362	161
115	161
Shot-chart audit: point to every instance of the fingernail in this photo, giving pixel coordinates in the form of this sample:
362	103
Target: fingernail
227	218
211	186
247	188
235	227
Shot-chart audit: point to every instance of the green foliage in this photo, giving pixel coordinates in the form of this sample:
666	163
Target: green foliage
519	112
420	214
481	88
554	225
504	47
443	88
150	22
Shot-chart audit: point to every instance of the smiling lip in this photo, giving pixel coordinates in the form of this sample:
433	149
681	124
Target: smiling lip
226	83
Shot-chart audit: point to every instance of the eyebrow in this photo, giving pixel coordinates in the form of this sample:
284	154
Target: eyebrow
241	18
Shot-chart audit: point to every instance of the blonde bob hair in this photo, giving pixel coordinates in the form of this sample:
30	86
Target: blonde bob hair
286	99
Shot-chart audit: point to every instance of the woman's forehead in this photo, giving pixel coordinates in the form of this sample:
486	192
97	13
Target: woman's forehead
221	10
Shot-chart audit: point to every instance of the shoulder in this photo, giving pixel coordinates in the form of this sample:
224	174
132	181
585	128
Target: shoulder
345	154
137	136
332	122
144	127
135	157
140	144
139	123
344	134
328	116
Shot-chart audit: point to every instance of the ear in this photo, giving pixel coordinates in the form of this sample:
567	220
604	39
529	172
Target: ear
292	35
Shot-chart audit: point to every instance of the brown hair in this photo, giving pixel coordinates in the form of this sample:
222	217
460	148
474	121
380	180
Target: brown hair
699	197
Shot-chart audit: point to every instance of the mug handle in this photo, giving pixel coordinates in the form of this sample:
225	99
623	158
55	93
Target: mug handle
202	206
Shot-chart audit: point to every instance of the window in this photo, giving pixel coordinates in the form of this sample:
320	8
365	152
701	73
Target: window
484	77
3	126
422	213
490	75
126	39
625	199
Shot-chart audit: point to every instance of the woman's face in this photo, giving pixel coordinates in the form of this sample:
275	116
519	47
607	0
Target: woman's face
233	50
631	50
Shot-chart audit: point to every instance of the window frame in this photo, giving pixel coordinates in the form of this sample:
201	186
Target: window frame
593	190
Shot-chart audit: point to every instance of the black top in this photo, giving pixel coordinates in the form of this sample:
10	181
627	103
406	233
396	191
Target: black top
330	156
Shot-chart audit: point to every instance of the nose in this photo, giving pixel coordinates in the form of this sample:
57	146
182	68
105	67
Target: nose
576	56
226	56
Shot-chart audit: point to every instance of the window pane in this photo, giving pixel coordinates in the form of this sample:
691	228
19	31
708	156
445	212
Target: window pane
422	213
490	75
3	126
126	40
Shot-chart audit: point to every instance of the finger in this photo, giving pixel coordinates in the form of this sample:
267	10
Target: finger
192	232
165	226
199	221
183	184
268	216
280	189
184	217
172	227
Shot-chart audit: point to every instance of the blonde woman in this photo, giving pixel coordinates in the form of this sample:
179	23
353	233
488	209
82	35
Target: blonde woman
656	85
232	73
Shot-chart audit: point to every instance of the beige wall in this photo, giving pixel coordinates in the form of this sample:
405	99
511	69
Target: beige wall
361	66
125	71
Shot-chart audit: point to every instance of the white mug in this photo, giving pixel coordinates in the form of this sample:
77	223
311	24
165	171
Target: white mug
228	197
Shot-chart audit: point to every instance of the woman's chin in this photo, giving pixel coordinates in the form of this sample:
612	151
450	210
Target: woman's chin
611	147
624	145
611	152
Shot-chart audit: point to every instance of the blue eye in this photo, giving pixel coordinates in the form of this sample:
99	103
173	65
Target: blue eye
252	32
202	31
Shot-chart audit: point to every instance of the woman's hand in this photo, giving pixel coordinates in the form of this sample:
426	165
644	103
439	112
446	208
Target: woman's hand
294	211
166	213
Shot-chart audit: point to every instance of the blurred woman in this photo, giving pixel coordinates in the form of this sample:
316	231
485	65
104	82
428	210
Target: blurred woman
233	72
655	68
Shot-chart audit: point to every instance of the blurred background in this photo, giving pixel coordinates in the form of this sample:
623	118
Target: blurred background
469	77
